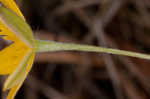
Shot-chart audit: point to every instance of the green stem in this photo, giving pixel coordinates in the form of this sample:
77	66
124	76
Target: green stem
51	46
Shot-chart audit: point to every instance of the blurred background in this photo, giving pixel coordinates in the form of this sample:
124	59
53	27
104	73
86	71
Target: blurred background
120	24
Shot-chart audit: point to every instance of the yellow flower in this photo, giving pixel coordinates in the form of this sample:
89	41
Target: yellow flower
17	58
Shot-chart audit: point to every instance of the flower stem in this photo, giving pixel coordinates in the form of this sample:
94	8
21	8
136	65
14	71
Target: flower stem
51	46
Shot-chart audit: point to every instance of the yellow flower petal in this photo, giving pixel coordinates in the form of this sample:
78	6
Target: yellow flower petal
11	56
15	89
17	26
12	5
18	75
8	35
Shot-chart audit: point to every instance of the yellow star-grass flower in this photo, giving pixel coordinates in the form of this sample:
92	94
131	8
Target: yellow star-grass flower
16	59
